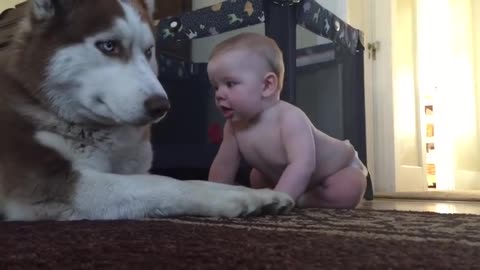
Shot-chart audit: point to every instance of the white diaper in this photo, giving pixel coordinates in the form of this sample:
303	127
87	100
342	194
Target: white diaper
357	163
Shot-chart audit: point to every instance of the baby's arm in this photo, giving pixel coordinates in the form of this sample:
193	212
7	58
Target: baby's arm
225	165
297	138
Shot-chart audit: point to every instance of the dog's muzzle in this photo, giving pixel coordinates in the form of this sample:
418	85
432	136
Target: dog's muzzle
157	106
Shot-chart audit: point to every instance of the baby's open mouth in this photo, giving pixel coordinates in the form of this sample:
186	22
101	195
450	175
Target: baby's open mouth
225	108
227	111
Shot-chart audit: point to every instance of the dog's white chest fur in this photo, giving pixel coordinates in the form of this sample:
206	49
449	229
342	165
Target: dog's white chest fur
122	150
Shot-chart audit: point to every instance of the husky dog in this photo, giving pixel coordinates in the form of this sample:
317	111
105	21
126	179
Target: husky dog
76	101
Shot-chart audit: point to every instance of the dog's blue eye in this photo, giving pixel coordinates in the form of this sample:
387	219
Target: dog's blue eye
108	47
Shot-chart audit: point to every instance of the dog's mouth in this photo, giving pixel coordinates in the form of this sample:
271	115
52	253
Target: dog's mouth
146	120
160	118
93	116
108	117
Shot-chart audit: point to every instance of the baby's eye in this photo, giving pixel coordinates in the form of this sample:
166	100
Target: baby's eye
230	84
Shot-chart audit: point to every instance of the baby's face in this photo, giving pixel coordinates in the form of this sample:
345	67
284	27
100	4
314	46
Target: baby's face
237	77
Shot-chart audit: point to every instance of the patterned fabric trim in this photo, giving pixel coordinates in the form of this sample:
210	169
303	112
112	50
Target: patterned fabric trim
210	21
323	22
234	14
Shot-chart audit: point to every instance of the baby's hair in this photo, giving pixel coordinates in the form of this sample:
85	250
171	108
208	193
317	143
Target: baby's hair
262	45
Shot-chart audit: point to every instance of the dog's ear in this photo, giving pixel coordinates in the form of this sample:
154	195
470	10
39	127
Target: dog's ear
46	9
150	4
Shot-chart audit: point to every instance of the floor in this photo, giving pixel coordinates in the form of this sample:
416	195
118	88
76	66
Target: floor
438	206
457	195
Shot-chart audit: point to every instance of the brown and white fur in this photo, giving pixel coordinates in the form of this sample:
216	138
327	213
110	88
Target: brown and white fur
76	102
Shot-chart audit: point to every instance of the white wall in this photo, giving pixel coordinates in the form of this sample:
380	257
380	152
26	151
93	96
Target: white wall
201	48
4	4
339	7
476	44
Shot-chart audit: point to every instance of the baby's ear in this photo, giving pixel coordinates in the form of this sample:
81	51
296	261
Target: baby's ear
270	85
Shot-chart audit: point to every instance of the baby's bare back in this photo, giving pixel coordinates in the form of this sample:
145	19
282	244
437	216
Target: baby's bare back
262	146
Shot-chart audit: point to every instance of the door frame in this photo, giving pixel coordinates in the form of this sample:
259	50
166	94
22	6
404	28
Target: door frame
378	20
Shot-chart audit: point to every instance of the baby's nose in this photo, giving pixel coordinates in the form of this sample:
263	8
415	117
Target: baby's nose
219	94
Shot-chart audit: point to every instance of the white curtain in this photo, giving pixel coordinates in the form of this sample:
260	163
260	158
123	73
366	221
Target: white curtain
448	53
476	52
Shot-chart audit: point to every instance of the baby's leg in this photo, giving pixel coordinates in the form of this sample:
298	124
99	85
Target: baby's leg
258	180
343	189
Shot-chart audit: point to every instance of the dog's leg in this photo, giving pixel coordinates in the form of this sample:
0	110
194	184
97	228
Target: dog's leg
110	196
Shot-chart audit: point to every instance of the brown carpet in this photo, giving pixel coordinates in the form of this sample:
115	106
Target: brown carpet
308	239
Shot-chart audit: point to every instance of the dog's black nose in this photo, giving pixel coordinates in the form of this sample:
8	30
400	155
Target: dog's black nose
157	106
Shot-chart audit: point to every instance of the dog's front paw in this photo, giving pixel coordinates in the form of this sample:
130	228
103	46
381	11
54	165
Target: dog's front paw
273	202
259	202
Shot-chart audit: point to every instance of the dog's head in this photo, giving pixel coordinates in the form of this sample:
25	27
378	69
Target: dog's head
92	61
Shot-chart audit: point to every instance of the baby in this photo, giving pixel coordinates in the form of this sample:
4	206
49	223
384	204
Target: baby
287	153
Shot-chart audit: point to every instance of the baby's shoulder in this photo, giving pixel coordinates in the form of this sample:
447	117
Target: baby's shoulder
289	112
286	107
